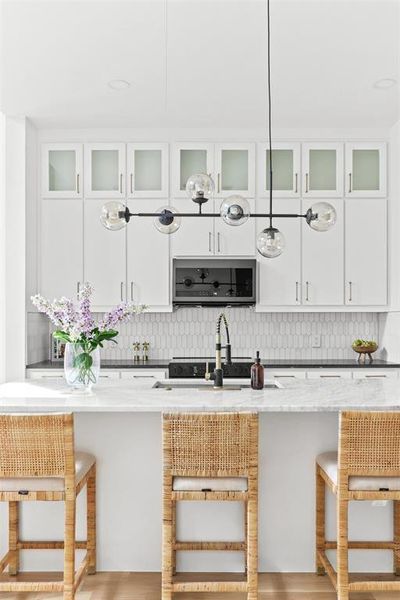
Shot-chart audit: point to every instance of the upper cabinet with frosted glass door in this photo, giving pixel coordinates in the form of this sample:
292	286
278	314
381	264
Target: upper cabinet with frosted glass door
366	170
285	170
188	159
234	170
147	170
62	167
322	170
105	170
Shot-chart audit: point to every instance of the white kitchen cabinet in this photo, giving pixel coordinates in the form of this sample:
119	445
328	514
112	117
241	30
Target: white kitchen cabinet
188	159
285	170
322	261
61	170
144	374
45	373
329	374
366	170
284	374
147	259
230	240
147	168
61	250
234	169
279	279
366	252
195	237
104	258
376	374
322	170
105	170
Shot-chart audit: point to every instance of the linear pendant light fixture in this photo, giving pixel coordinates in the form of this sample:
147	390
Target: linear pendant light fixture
234	210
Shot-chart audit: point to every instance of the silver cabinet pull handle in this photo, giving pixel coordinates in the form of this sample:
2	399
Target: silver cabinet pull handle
120	183
78	287
219	241
131	183
330	376
350	190
350	291
307	297
218	183
295	183
132	290
306	183
375	376
297	291
209	241
77	183
122	290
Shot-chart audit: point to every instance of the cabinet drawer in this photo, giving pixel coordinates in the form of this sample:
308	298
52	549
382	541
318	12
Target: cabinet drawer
284	374
106	374
138	374
328	374
376	374
48	374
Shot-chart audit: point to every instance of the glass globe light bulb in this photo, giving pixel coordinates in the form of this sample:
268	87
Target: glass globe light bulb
114	215
200	187
270	242
321	216
167	221
235	210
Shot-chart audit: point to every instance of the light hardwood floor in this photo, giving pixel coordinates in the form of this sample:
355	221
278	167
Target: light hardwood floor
146	586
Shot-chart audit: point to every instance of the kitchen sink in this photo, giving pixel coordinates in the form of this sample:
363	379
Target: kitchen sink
176	385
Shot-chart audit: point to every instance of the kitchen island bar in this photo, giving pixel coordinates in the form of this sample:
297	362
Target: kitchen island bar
120	423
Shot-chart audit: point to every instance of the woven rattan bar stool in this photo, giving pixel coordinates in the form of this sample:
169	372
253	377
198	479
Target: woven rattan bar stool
366	468
38	463
210	457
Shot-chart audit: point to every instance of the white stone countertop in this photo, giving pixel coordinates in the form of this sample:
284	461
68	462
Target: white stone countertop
140	396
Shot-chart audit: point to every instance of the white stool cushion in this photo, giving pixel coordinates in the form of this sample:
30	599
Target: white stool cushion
83	462
215	484
329	463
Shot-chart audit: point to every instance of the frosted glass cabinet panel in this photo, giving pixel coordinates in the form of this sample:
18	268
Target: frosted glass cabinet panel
188	159
285	170
62	170
147	170
234	169
104	170
323	170
366	170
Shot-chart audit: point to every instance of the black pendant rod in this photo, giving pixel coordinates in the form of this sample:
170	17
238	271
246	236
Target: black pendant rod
269	112
196	215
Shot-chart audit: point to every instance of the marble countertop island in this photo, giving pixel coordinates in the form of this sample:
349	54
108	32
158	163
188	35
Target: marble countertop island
140	396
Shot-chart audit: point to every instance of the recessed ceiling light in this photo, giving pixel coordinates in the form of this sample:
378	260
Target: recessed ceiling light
118	84
384	84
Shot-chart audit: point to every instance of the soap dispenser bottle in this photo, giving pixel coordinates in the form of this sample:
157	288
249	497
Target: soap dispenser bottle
257	374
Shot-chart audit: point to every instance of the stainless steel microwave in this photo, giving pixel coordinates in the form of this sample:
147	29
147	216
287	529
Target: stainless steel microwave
214	282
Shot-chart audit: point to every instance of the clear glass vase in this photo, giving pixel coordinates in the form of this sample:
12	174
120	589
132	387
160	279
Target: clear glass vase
81	366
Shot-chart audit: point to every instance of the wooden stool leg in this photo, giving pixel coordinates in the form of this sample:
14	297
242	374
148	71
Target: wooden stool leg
173	506
342	549
69	546
396	523
91	520
13	537
167	534
320	521
245	535
252	539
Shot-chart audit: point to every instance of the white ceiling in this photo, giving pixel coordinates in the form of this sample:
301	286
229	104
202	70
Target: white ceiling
57	57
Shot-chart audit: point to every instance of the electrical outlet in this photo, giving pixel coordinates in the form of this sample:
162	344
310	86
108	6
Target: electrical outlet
379	503
316	341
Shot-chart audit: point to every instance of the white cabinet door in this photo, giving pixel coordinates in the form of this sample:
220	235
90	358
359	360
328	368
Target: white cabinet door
373	373
104	258
366	252
195	237
45	374
279	279
188	159
233	240
147	259
143	375
329	374
147	168
366	170
284	374
235	169
61	250
105	170
322	170
285	170
322	261
62	166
